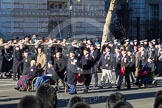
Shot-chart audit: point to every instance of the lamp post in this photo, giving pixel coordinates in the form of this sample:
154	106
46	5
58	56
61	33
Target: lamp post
138	28
70	8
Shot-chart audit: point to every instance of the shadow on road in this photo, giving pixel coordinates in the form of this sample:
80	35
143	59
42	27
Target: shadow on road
3	96
9	99
9	106
102	99
90	100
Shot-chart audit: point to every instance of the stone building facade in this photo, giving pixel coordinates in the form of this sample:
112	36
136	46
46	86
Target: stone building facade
23	17
50	17
84	18
87	18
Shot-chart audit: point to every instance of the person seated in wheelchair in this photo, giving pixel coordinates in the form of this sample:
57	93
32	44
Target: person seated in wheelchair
49	75
147	72
149	68
23	82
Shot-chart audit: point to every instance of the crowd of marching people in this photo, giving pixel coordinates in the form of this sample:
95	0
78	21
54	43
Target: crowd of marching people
52	60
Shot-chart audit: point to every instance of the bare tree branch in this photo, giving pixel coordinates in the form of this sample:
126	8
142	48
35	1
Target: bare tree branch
106	29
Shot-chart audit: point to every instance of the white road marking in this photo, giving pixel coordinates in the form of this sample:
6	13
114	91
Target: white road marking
7	90
6	84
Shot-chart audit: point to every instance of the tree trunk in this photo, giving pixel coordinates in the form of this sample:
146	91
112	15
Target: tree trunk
106	30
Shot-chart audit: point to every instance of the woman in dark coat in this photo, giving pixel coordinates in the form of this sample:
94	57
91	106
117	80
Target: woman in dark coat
17	62
26	62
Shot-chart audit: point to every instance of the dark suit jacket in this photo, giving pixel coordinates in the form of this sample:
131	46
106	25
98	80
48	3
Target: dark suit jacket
125	63
151	52
72	71
86	64
72	67
96	56
107	63
17	60
26	64
32	71
117	61
131	65
150	67
60	66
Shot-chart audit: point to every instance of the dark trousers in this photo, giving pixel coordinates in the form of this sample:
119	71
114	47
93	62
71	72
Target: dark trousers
17	70
87	81
95	77
117	73
127	79
1	61
94	71
158	68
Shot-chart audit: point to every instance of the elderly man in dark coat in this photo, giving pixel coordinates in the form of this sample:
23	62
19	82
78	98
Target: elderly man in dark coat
86	65
72	65
60	66
96	56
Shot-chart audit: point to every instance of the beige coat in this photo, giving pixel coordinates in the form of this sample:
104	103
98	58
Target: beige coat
42	60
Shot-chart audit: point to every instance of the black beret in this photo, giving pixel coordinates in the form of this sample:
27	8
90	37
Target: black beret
92	45
145	40
72	51
26	50
127	40
108	47
110	42
87	49
106	41
117	47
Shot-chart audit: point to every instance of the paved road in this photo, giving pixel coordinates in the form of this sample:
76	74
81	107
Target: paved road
140	98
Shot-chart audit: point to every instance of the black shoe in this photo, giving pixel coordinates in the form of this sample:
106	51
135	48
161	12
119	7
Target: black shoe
1	76
157	75
101	87
85	91
136	83
17	88
110	86
128	88
21	89
95	85
118	87
57	89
